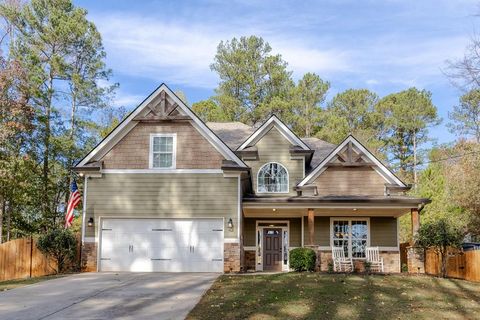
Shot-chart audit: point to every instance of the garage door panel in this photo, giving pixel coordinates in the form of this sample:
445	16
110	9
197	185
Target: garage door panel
162	245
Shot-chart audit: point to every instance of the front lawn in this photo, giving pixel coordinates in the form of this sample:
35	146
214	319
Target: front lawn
12	284
325	296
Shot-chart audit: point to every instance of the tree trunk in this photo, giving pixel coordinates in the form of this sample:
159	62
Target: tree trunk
444	263
9	214
46	153
415	159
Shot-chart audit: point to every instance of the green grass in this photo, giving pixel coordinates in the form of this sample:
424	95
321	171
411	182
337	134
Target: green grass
12	284
338	296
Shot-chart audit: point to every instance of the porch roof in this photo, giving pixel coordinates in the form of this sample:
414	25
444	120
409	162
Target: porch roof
315	201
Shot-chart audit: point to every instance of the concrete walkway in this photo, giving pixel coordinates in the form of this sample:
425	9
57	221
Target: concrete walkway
108	296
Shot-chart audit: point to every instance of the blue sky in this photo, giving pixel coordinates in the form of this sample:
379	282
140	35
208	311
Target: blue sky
385	46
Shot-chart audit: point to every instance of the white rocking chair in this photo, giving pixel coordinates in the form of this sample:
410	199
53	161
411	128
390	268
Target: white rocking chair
340	263
373	257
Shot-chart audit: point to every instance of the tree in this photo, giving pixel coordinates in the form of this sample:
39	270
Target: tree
208	110
60	244
352	112
464	73
309	93
463	176
440	236
466	115
407	116
250	76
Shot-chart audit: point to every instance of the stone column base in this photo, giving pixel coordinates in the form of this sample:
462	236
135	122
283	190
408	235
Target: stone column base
416	260
89	257
231	260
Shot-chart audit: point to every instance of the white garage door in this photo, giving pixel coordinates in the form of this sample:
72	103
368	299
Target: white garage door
162	245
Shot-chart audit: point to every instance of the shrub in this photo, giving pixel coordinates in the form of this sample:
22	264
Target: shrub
59	244
368	267
302	259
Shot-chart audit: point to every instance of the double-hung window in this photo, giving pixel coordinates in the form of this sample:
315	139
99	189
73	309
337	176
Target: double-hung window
351	234
162	151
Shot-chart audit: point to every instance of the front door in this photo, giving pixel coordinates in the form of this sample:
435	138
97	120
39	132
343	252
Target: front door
272	253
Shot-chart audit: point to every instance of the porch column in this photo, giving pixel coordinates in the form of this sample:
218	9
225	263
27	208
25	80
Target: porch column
415	215
311	227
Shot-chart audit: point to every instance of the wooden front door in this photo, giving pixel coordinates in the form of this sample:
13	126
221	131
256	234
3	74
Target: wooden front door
272	252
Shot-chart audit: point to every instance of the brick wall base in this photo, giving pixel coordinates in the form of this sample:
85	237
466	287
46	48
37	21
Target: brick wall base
416	260
89	257
391	261
231	261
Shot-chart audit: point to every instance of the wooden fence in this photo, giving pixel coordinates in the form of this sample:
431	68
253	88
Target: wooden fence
20	258
460	265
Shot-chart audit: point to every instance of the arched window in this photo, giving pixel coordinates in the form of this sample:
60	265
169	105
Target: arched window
272	177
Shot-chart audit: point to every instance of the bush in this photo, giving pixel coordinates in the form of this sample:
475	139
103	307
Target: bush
302	259
59	244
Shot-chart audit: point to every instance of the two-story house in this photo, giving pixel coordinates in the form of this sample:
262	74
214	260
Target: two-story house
167	192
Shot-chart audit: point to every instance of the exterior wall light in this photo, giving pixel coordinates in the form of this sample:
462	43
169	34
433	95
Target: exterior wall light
90	222
230	224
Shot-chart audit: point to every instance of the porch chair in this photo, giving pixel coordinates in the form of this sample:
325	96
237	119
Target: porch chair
340	263
373	257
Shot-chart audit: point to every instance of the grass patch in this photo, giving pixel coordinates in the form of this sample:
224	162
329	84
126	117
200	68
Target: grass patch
12	284
338	296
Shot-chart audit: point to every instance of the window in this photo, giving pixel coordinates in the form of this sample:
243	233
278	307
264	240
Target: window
162	151
272	178
352	235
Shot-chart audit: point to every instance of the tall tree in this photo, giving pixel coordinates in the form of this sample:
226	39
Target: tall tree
208	110
466	116
408	115
309	93
249	77
62	52
352	112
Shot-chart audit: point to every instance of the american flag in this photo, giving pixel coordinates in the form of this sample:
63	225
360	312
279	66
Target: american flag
72	203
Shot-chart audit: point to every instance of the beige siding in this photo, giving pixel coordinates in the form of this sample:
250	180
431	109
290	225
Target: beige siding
193	150
163	196
350	181
321	229
295	231
274	147
383	232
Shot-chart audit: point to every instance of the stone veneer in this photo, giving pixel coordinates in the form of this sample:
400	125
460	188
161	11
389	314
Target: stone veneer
89	257
391	261
249	263
416	260
231	260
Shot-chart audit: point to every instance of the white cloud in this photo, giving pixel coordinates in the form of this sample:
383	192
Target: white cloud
182	54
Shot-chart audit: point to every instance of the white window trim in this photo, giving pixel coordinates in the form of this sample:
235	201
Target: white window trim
174	149
350	219
270	192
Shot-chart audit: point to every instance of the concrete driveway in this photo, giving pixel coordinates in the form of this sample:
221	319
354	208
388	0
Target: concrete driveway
108	296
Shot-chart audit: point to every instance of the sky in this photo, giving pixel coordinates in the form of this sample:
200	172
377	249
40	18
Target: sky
384	46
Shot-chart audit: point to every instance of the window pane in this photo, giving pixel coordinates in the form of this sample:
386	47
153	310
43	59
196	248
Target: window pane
156	160
162	144
272	177
341	234
165	160
359	238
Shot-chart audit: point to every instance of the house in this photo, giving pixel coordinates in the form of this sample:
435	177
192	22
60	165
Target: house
165	191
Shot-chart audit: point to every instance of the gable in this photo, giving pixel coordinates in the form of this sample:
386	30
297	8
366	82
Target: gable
193	151
349	181
353	155
161	106
274	147
272	122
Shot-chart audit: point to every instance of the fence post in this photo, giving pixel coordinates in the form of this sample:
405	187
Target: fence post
31	254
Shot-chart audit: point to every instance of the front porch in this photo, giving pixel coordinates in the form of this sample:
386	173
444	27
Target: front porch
271	229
